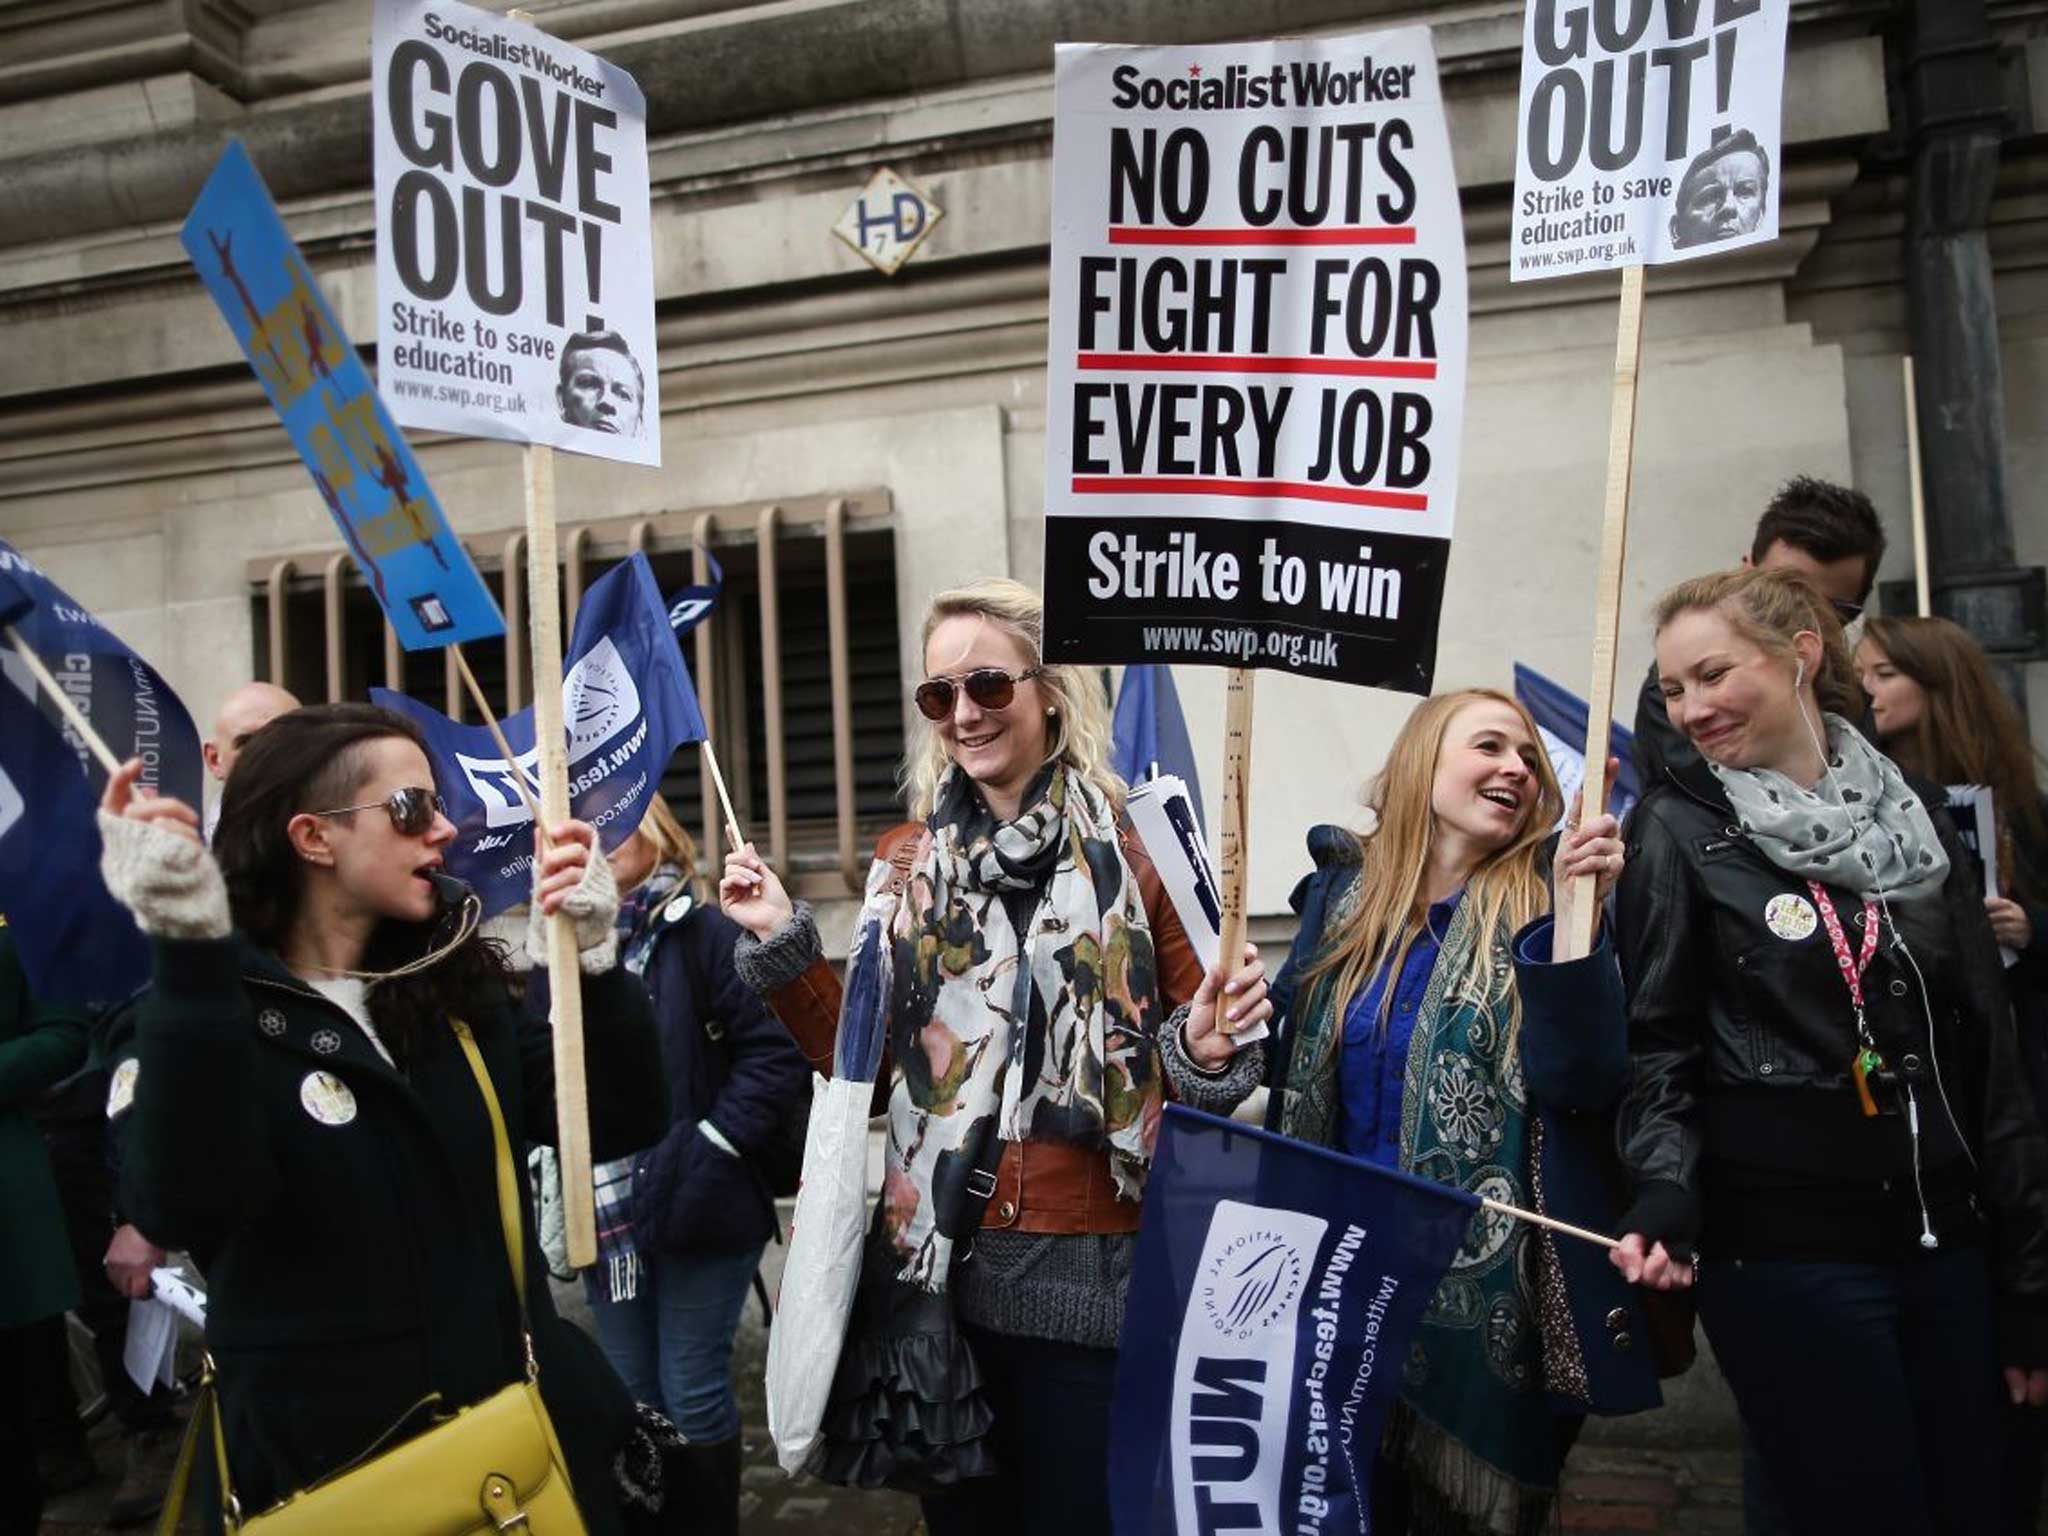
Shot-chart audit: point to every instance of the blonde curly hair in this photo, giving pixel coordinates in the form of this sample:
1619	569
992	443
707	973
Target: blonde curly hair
1080	726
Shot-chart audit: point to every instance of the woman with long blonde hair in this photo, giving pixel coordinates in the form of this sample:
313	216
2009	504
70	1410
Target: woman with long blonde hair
1045	1003
1426	1027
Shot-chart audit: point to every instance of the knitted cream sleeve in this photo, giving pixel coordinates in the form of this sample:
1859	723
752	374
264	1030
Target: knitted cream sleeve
594	908
170	883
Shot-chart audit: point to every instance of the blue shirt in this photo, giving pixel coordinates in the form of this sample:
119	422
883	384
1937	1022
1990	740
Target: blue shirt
1374	1061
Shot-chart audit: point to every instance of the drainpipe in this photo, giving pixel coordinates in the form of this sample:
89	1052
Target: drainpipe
1955	117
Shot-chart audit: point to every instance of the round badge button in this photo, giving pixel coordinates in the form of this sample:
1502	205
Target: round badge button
327	1098
1790	917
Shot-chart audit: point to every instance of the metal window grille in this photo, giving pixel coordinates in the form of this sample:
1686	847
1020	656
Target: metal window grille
797	669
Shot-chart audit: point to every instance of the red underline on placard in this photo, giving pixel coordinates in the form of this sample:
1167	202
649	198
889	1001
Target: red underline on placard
1187	362
1295	490
1345	234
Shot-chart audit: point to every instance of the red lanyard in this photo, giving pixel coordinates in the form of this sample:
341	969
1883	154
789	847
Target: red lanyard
1853	967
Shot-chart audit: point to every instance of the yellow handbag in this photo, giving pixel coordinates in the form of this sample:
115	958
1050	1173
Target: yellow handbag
493	1466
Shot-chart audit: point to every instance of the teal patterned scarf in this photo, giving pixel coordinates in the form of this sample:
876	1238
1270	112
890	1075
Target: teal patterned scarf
1474	1431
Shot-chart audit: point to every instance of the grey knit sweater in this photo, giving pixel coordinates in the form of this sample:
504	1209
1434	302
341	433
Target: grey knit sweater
1069	1289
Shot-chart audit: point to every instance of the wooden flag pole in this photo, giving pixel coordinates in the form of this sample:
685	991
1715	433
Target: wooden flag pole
565	977
1237	812
1923	584
65	707
1579	917
497	731
732	821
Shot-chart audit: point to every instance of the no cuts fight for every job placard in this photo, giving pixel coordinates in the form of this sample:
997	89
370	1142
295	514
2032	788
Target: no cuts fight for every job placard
1257	367
1649	132
515	281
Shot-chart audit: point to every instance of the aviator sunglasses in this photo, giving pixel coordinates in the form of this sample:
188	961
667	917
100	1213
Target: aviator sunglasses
412	811
989	687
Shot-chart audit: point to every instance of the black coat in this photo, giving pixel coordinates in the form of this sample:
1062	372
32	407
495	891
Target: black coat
1742	1035
356	1264
727	1060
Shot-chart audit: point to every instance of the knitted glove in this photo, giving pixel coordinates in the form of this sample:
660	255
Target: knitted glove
169	882
594	908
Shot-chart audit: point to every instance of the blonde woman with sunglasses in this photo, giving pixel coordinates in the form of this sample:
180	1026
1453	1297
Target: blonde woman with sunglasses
1046	1004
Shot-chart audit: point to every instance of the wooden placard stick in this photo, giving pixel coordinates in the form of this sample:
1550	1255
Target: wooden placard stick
565	977
70	711
1923	581
1579	908
1237	812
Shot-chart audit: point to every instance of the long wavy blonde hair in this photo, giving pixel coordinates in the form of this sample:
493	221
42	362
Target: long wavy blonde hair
1390	908
1078	733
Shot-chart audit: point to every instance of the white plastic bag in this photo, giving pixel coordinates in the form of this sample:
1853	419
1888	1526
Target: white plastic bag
822	1269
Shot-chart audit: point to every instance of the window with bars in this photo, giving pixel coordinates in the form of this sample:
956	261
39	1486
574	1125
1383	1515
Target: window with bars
797	668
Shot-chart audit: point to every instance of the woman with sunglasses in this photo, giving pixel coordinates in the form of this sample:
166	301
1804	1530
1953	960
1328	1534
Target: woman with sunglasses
302	1117
1046	1003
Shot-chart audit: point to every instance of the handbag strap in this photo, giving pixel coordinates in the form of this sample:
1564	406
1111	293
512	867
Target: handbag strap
508	1184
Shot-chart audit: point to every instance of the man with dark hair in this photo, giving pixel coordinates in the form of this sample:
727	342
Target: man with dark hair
1826	533
601	386
1724	193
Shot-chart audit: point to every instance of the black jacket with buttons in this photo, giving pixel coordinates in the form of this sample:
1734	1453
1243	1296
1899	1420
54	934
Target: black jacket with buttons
1742	1036
351	1243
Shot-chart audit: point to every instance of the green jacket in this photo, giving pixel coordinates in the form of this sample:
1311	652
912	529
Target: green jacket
349	1234
38	1047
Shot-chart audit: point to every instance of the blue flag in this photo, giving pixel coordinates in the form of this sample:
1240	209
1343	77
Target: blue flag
1151	735
79	945
1560	717
321	391
1274	1292
692	605
628	704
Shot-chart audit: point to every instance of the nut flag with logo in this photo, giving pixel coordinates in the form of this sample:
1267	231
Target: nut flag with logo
78	944
628	703
1274	1292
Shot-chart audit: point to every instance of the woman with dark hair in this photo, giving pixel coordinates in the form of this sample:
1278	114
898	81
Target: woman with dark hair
1942	716
1826	1095
305	1120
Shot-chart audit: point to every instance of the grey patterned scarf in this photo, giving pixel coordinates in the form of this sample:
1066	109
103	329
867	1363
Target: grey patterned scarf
1876	836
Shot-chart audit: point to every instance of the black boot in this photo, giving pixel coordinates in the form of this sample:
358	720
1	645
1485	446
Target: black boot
706	1491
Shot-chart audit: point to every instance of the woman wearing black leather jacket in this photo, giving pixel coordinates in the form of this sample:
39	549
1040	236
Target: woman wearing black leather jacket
1826	1092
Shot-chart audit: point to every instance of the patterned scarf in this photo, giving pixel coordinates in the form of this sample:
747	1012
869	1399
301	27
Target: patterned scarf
620	1268
1050	1034
1474	1430
1876	837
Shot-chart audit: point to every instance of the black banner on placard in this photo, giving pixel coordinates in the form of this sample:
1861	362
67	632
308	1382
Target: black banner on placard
1292	597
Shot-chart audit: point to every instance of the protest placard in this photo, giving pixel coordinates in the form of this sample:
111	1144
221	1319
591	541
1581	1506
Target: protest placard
1257	357
1649	132
319	388
515	278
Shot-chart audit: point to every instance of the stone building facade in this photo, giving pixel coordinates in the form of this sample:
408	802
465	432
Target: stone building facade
804	394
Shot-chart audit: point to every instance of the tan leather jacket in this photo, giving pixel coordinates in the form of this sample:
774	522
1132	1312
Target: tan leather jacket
1041	1186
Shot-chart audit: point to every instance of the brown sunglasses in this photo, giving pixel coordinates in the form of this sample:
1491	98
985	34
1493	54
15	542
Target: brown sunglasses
989	687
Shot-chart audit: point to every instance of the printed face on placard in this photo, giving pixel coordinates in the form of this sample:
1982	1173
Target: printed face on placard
1722	196
601	390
